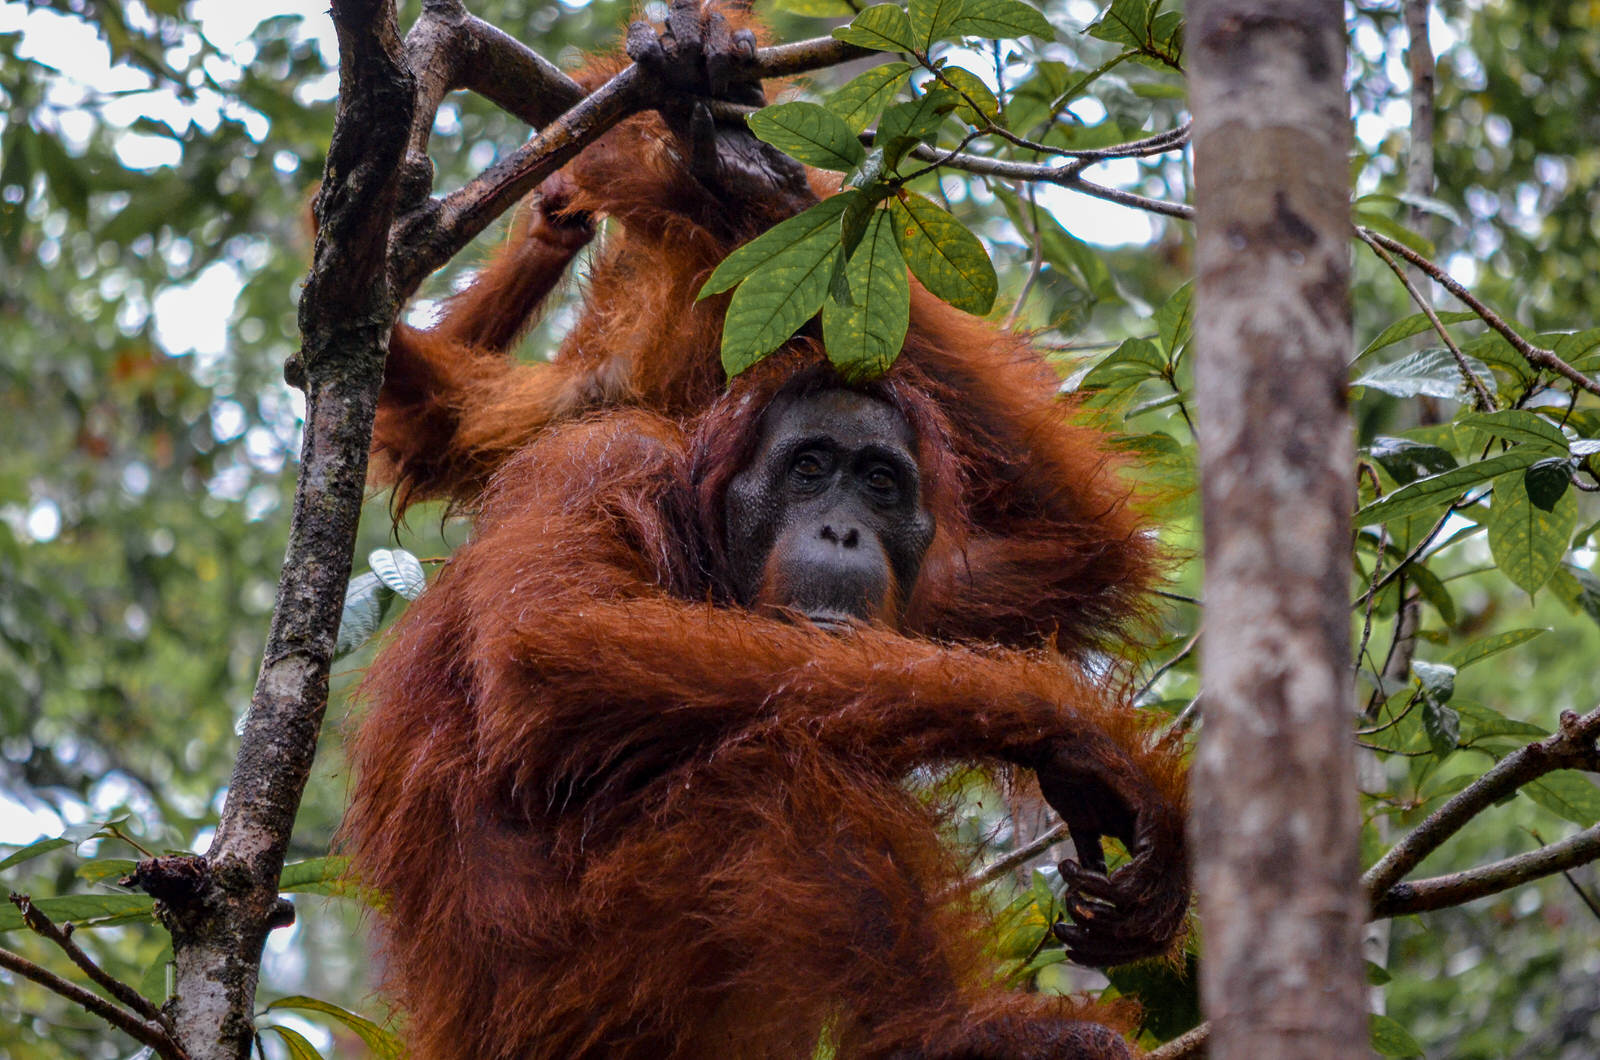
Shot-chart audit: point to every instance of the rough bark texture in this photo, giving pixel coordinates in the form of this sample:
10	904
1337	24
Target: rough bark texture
345	316
1275	822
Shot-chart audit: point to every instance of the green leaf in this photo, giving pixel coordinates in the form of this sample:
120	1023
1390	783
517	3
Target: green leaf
1438	491
978	104
1573	346
1175	319
1547	481
1438	680
812	133
787	291
1432	372
1567	794
38	848
931	20
1131	363
1123	22
1414	324
1484	647
154	984
1497	353
365	599
906	124
1520	426
299	1048
861	99
102	870
1479	722
1578	589
84	910
1442	725
383	1045
949	260
817	8
816	223
1526	541
1433	591
324	875
1001	20
881	27
853	225
864	338
1391	1039
1406	460
70	837
1380	221
399	570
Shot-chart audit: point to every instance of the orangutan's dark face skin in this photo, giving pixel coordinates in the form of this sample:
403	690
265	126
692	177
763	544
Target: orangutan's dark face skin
827	518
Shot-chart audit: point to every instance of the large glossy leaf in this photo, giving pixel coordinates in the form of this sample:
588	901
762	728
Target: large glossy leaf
881	27
1415	324
1478	650
864	338
84	910
812	133
819	221
1432	372
861	99
1436	492
1001	20
906	124
978	104
1406	460
1519	426
399	570
1526	540
785	292
365	599
948	259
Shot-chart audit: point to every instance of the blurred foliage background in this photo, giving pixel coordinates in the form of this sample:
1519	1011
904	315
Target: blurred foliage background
156	159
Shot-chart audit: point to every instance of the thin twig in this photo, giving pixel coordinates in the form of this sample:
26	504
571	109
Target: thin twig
1185	719
1485	400
46	928
1371	598
1035	267
1042	842
1573	747
1537	356
1417	549
144	1033
1183	653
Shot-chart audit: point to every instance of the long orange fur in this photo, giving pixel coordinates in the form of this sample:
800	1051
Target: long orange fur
616	816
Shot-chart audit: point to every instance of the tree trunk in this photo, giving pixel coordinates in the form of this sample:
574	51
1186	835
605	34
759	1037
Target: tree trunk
1275	823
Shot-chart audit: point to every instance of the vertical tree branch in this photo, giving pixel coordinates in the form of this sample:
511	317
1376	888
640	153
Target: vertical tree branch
1419	156
218	927
1275	822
